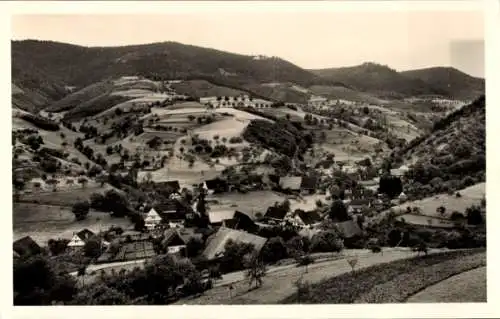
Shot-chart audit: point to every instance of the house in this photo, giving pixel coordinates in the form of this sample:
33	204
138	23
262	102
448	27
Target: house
402	197
290	183
349	228
358	205
173	211
309	218
216	242
152	219
174	242
240	221
80	239
26	246
309	184
216	217
399	172
275	213
217	185
172	186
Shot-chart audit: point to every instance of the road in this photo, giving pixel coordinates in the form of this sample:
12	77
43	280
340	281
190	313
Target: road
279	282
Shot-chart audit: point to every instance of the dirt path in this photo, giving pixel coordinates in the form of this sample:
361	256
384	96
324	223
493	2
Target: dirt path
469	286
280	284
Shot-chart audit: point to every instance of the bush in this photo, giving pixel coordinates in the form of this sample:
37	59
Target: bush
327	241
81	210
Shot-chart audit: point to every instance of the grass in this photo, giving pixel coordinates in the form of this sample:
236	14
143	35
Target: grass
469	286
63	198
202	88
348	287
428	206
404	285
43	222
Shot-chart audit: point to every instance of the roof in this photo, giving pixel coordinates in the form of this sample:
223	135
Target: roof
309	233
349	228
309	217
85	234
215	183
275	213
173	185
218	216
291	182
218	241
173	238
26	246
359	202
309	182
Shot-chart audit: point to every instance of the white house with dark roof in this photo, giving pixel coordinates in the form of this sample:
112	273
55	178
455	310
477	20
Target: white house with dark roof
152	219
80	239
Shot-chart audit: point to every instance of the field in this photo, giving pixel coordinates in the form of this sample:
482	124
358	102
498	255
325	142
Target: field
63	197
392	282
43	222
470	196
469	285
421	220
202	88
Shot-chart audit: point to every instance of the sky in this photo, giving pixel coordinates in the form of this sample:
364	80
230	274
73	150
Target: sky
402	40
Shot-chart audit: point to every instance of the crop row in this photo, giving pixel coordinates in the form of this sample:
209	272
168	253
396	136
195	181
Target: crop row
403	286
348	287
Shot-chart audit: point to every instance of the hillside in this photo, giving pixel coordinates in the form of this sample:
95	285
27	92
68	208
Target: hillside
78	65
376	78
32	89
458	84
453	155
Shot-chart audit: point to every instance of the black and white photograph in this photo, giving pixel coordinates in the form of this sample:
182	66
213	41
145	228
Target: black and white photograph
240	156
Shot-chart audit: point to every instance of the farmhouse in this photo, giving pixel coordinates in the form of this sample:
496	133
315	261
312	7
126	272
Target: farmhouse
240	221
358	205
216	242
26	246
309	218
172	186
174	242
152	219
308	184
80	239
218	216
291	183
275	213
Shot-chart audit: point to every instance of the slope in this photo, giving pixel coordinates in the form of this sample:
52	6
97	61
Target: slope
79	65
458	84
452	156
379	79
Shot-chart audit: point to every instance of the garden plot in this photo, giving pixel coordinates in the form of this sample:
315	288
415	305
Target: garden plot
43	222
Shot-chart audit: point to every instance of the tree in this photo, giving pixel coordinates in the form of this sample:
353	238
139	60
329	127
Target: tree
338	211
473	215
92	247
57	246
256	269
274	250
81	210
36	283
390	185
327	241
441	210
83	181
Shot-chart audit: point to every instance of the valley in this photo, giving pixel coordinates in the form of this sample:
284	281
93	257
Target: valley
152	163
